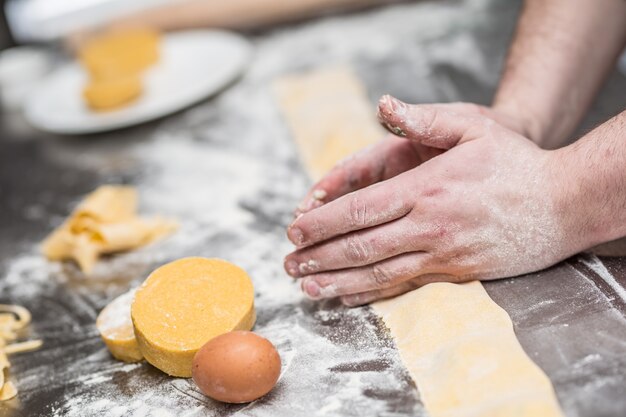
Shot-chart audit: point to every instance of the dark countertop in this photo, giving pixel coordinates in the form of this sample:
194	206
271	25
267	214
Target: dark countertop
227	169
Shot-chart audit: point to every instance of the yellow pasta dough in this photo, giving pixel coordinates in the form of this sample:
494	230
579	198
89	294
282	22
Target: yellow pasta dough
116	329
13	318
184	304
329	116
120	53
8	391
112	93
108	204
105	222
115	62
461	349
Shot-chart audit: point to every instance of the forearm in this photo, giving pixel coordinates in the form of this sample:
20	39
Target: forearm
591	179
235	13
561	53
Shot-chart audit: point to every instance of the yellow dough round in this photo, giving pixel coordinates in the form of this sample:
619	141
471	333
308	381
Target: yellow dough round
120	53
116	329
184	304
112	93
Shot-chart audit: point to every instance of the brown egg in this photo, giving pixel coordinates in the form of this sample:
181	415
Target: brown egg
236	367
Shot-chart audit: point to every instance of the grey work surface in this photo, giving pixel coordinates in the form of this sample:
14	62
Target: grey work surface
228	170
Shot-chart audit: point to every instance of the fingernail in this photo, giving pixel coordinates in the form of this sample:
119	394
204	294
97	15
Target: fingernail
299	210
392	104
316	203
385	103
311	288
292	268
313	203
308	267
350	300
329	291
295	235
319	194
397	106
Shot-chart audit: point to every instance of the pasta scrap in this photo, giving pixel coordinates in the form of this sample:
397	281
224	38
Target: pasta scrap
13	319
104	222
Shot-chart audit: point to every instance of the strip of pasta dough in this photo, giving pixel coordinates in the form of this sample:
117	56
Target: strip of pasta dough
458	345
329	116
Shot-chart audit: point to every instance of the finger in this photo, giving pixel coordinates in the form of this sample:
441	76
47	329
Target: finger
377	204
431	125
367	297
472	109
382	161
360	248
385	274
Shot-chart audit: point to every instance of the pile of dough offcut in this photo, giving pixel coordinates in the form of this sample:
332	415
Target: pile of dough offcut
13	319
105	222
115	62
179	307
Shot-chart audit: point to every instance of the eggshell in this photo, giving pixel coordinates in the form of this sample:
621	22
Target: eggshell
236	367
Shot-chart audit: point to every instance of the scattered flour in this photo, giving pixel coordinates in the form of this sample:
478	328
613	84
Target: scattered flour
596	265
227	170
117	315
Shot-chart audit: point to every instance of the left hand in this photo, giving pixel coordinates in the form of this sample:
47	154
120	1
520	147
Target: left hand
487	208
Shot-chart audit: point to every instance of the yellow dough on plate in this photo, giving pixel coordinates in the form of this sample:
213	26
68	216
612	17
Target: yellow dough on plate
105	222
112	93
184	304
116	329
115	62
120	53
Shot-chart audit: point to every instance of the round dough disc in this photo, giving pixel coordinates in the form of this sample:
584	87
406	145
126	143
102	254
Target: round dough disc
184	304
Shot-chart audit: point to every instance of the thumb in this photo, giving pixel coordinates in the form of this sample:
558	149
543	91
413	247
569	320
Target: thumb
437	126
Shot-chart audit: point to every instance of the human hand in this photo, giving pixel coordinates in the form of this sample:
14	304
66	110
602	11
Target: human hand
390	157
487	208
381	161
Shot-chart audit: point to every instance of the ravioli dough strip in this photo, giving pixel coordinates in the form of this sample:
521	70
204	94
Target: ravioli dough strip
462	352
458	345
329	116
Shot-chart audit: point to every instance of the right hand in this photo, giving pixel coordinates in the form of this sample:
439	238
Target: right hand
490	207
391	156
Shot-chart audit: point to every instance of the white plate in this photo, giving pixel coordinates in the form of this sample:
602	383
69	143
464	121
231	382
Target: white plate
193	65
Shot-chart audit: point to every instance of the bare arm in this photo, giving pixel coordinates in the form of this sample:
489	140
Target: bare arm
593	182
236	13
560	56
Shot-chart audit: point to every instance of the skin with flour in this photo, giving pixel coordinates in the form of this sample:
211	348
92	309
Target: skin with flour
463	194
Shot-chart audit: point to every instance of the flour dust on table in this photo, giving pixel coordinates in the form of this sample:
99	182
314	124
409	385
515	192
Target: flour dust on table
227	170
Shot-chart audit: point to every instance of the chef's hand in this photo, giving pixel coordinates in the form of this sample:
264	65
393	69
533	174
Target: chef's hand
392	155
487	208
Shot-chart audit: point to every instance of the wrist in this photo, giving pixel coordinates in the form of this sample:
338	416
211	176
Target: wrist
582	198
520	120
571	209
